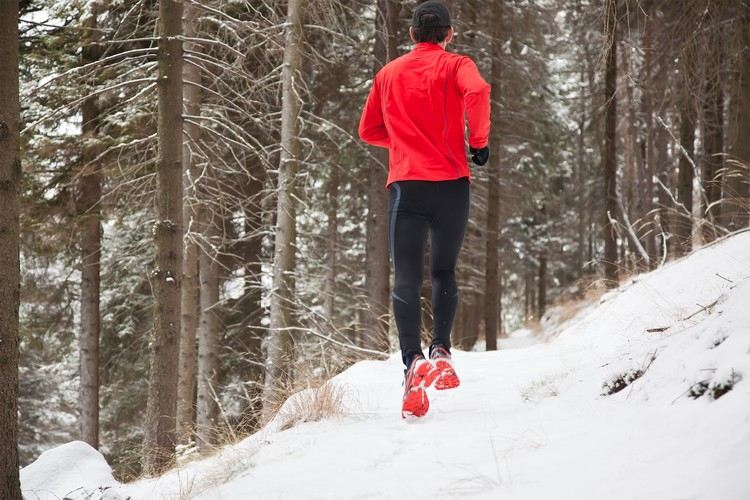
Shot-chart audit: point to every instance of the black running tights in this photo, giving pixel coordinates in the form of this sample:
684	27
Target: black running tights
417	207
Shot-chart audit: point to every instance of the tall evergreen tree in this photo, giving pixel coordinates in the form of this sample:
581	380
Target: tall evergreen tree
89	209
609	157
10	180
683	220
736	213
377	274
189	305
491	284
279	340
167	276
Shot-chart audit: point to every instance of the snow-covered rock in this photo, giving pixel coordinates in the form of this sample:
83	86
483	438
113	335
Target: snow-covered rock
74	471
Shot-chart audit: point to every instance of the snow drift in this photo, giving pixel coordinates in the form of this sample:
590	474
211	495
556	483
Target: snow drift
643	394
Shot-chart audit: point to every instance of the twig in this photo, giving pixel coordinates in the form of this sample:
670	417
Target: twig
722	277
702	308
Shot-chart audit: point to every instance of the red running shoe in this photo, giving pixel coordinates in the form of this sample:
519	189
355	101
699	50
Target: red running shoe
447	378
420	375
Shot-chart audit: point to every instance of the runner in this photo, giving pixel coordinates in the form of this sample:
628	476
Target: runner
417	108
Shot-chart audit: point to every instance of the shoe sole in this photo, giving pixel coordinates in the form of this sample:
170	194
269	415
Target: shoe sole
447	378
416	403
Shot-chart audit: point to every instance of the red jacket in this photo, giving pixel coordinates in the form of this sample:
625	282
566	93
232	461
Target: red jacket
416	109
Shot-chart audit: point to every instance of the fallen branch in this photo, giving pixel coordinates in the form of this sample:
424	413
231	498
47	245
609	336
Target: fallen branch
702	308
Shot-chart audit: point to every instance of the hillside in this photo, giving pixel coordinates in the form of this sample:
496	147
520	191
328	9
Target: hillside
643	394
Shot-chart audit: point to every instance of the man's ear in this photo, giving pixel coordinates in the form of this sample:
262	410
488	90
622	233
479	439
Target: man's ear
411	34
449	38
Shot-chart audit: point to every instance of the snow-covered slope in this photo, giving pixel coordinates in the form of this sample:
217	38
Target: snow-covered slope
534	422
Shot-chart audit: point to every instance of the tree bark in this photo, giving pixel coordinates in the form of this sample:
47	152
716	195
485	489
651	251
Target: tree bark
541	305
664	214
329	297
279	344
531	303
651	158
598	101
377	270
629	194
683	220
208	340
713	132
609	158
252	307
190	281
582	160
10	285
90	192
167	276
634	192
491	285
737	181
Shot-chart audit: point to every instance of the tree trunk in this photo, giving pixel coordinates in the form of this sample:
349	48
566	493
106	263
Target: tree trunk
665	214
90	192
609	159
629	194
541	305
252	307
279	337
329	297
598	101
713	135
190	286
208	339
527	297
377	270
634	189
737	181
10	285
491	287
581	178
531	288
683	221
167	276
650	160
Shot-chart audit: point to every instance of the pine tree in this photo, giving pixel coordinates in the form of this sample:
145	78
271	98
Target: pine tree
609	158
736	213
208	338
377	266
167	276
89	209
190	304
491	283
279	336
10	180
683	220
712	122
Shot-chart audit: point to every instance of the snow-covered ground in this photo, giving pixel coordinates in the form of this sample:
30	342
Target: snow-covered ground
531	422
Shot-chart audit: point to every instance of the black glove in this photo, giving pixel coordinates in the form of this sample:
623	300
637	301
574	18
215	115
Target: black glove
480	156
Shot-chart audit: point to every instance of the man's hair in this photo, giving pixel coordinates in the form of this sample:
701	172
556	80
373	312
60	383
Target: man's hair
428	33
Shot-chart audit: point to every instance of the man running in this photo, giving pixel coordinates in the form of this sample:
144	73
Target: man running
417	108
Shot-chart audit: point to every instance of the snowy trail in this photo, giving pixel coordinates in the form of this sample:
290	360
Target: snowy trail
526	423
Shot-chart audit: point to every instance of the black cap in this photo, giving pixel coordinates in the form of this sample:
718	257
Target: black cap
434	7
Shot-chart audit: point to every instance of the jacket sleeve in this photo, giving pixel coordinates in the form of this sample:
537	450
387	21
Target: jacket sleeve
476	93
372	125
